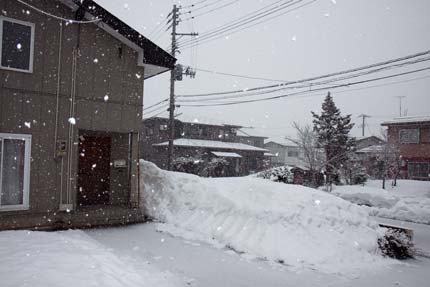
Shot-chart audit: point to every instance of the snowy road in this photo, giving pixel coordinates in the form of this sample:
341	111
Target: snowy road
198	264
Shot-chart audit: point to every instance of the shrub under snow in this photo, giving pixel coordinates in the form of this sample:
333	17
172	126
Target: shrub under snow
294	225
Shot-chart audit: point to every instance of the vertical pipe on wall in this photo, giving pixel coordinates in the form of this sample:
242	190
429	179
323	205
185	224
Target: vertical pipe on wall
57	107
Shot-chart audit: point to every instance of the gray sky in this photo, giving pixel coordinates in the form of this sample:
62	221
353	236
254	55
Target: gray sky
324	37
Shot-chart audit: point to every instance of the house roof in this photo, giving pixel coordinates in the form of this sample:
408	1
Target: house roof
281	144
243	134
212	144
407	120
198	120
226	154
152	57
268	154
371	149
359	139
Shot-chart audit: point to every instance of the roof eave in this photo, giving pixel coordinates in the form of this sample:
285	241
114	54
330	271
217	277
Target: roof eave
152	57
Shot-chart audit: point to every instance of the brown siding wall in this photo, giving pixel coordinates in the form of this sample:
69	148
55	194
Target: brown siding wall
31	97
421	150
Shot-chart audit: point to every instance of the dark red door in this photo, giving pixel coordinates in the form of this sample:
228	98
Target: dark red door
94	170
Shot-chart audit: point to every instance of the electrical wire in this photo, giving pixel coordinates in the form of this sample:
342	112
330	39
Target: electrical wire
307	92
159	108
223	30
222	35
197	3
312	84
156	104
58	17
238	76
245	17
202	7
387	62
210	11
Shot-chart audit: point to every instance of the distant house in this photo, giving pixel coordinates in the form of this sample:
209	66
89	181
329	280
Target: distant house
245	138
70	113
284	154
364	142
412	137
201	138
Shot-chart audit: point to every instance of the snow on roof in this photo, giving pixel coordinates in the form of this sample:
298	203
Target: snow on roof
405	120
200	120
269	154
226	154
372	149
244	134
212	144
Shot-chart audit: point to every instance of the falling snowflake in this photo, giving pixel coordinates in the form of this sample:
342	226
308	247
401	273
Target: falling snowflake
96	60
106	98
19	46
27	124
72	121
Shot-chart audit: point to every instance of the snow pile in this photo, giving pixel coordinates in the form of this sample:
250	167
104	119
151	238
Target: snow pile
70	258
408	202
294	225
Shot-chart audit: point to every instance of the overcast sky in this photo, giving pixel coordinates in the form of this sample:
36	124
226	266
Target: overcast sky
324	37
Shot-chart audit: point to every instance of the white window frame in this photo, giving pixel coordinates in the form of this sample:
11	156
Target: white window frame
408	130
33	28
27	160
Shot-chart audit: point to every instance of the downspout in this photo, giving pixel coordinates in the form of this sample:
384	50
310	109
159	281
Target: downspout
72	124
57	111
57	107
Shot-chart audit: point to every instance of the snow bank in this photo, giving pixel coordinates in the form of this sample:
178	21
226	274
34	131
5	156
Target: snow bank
70	258
410	202
290	224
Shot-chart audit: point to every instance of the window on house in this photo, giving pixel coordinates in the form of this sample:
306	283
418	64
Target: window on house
407	136
16	45
14	171
419	170
293	153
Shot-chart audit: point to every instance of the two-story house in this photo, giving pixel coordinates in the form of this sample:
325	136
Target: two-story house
411	135
203	138
71	96
284	154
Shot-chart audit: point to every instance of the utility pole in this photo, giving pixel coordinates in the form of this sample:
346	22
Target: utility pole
175	74
400	104
363	125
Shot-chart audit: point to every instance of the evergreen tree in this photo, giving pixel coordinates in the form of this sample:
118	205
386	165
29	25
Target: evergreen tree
333	136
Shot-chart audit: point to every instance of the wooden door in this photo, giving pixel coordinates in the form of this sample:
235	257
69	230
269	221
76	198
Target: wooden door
94	170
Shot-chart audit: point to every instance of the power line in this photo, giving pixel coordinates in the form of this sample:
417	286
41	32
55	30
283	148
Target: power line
244	25
309	85
156	104
253	25
306	92
159	108
239	76
387	62
243	18
210	11
197	3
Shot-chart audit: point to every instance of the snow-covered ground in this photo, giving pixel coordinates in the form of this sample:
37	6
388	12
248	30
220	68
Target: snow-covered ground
299	227
70	259
408	201
139	255
202	265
